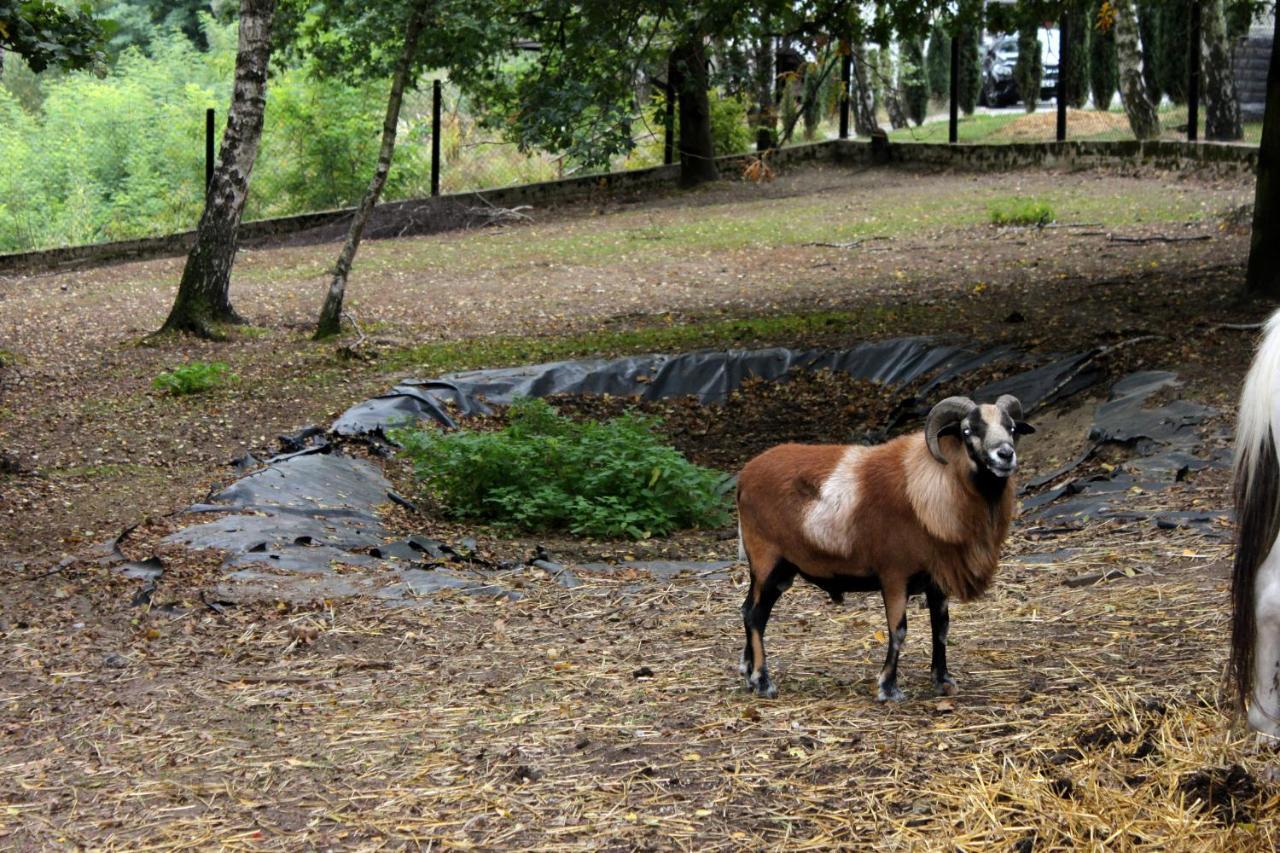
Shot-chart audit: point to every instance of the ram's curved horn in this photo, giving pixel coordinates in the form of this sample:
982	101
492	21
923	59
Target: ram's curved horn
947	412
1010	406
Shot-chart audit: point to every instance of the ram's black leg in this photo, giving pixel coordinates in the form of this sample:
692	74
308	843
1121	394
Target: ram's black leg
939	621
755	616
895	611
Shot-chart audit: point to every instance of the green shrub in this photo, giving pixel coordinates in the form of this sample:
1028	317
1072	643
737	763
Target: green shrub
1028	71
194	378
937	64
970	68
1020	211
915	88
730	132
1077	72
547	472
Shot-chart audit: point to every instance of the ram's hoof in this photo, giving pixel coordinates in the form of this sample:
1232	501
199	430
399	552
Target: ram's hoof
890	694
743	666
762	685
946	686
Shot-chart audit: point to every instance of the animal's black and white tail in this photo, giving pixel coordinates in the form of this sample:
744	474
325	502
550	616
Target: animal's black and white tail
1257	499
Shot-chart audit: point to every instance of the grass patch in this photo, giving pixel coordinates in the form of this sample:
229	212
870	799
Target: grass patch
251	332
193	378
1020	211
987	129
546	472
974	128
500	351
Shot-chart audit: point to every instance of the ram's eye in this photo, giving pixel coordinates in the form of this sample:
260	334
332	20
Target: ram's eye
967	431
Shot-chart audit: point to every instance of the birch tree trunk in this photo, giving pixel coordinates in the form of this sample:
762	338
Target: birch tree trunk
864	116
1143	119
1263	275
203	299
331	314
697	150
1222	108
889	85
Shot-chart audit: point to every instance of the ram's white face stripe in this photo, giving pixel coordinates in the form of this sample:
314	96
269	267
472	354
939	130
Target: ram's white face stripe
828	522
992	434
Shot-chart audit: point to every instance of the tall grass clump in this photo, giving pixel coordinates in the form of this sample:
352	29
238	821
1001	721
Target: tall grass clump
545	472
1020	211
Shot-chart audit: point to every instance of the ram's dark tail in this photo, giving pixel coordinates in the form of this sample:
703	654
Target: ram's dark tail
1257	500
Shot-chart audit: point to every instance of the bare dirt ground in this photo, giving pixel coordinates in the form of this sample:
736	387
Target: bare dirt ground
611	715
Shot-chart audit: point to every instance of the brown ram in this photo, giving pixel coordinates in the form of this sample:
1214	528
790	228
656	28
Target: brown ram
926	512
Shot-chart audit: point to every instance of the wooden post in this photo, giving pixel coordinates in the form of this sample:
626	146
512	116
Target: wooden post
435	137
953	130
208	148
1193	73
846	74
1064	57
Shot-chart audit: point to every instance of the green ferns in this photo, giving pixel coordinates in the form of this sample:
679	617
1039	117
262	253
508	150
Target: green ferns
194	378
546	472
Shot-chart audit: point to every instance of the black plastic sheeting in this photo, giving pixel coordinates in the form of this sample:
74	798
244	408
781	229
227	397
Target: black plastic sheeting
286	525
1164	439
305	512
711	377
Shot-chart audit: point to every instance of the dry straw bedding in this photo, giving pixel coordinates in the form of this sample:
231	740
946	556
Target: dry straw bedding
612	716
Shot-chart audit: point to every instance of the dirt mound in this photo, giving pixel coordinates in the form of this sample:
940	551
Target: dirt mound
1224	791
1041	127
814	408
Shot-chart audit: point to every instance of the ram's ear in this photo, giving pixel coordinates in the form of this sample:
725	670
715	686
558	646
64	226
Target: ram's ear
951	429
1023	428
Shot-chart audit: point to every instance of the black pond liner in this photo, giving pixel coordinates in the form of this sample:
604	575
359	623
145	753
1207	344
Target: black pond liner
711	376
303	512
1163	440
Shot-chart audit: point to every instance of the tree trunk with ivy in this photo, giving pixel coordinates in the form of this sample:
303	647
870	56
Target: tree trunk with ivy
1143	120
1262	277
688	73
331	314
204	301
1221	106
1103	74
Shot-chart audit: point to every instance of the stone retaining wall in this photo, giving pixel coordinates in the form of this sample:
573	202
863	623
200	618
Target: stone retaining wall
424	216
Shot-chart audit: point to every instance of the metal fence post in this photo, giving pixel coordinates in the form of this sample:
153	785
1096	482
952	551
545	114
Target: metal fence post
435	137
846	74
208	149
953	129
1193	73
1064	57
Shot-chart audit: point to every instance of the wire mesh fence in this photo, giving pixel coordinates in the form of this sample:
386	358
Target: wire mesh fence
97	160
97	163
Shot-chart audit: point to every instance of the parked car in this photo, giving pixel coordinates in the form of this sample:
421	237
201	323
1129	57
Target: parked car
999	57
